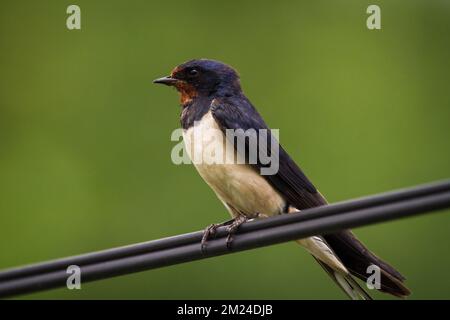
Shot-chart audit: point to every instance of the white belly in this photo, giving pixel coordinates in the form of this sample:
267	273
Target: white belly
239	186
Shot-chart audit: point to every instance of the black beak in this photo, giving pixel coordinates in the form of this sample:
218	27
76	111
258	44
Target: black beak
168	81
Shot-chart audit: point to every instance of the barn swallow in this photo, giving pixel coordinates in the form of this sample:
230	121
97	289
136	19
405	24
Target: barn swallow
212	98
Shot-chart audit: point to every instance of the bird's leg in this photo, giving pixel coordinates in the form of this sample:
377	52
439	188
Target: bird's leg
211	230
237	222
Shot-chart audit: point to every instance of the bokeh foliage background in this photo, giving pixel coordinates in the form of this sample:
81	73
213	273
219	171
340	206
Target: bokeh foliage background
85	137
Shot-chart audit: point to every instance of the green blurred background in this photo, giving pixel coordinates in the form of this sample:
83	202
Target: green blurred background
85	136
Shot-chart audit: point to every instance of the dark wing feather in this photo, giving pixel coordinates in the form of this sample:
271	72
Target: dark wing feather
290	181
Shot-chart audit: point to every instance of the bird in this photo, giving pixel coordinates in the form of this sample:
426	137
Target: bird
213	102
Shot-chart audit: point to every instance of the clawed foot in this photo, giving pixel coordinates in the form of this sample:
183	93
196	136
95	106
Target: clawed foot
237	222
211	231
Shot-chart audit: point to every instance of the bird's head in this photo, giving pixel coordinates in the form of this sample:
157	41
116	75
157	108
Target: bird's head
202	77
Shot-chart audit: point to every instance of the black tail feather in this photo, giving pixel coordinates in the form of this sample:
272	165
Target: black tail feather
357	258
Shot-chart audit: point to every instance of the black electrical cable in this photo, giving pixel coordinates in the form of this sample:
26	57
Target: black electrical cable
195	237
183	248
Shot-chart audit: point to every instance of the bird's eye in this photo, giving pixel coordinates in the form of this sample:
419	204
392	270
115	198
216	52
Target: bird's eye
193	72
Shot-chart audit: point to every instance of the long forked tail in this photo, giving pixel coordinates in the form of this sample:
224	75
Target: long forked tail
357	258
342	255
342	260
